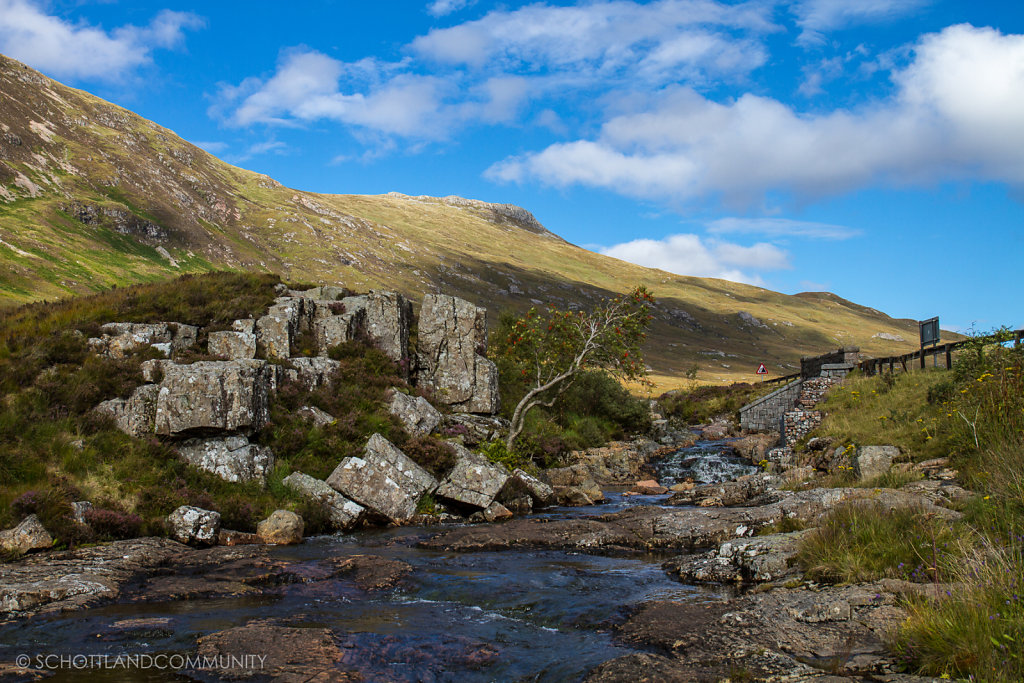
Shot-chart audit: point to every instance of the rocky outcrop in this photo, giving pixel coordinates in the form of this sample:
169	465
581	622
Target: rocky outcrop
120	339
747	560
386	318
414	412
451	343
384	480
473	430
574	485
193	526
342	512
282	527
309	372
748	490
474	480
620	462
135	415
767	635
232	458
540	493
30	534
337	329
318	417
213	396
273	652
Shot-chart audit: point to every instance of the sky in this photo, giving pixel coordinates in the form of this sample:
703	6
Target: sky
874	149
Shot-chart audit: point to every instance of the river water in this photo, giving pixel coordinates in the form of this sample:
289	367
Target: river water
513	615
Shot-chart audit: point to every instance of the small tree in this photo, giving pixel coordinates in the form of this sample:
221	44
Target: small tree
548	350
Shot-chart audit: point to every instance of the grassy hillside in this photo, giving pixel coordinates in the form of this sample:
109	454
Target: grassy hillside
93	196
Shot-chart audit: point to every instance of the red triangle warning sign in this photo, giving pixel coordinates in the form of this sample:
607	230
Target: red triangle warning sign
762	370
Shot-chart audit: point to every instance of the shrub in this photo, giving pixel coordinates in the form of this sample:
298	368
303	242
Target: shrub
113	524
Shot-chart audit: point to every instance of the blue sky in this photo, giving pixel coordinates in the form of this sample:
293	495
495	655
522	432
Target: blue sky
874	148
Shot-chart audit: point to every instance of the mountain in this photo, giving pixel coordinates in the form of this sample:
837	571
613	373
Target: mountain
93	196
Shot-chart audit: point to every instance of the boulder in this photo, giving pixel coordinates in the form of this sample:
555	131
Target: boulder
30	534
232	345
474	480
573	496
874	461
472	430
452	339
648	487
282	527
569	482
194	526
342	512
136	415
318	417
213	396
743	560
750	489
274	331
232	458
495	512
246	326
415	413
385	480
542	494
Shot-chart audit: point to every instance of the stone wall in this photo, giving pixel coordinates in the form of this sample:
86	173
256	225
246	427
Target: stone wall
798	424
765	414
811	366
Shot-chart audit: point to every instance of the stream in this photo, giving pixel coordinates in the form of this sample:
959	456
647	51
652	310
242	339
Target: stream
513	615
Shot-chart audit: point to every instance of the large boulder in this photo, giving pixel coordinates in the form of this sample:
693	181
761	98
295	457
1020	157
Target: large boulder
874	461
29	535
342	512
542	494
337	328
232	344
135	415
213	396
415	413
276	329
574	485
451	343
282	527
474	480
385	480
472	430
232	458
194	526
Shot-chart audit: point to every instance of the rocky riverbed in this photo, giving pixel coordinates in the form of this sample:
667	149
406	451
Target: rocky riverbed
671	587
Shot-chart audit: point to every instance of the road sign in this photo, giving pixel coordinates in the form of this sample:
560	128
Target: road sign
762	370
929	331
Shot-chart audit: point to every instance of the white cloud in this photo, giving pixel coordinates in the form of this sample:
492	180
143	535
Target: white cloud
817	17
781	227
604	38
68	50
956	114
440	8
688	254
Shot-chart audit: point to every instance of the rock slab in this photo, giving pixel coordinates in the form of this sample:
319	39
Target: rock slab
343	513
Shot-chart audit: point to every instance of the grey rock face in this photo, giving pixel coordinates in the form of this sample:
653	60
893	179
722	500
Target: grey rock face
282	527
136	415
194	526
213	396
452	339
310	372
232	458
569	482
743	560
232	345
274	331
415	413
29	535
474	480
472	430
384	480
337	329
385	322
873	461
342	512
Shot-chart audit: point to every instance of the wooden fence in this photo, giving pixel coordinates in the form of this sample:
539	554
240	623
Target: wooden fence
873	366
